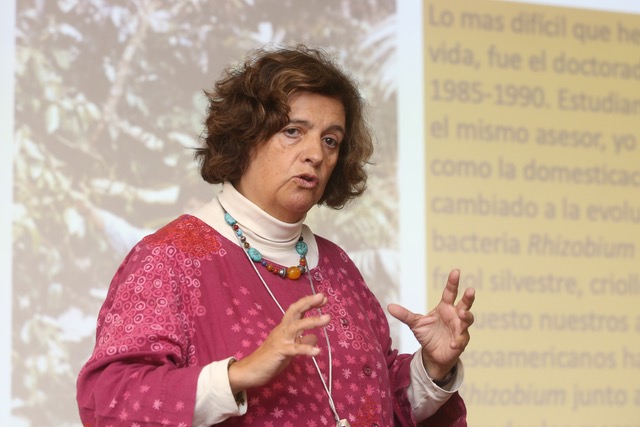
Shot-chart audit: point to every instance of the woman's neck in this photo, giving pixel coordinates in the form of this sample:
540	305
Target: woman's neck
255	221
274	239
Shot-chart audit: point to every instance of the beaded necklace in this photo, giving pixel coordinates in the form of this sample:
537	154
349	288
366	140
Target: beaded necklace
293	272
301	248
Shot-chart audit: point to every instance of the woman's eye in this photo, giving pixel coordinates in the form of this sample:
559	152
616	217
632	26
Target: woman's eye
292	132
331	142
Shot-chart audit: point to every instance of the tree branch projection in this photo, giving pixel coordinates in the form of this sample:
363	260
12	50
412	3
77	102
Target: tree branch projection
109	100
145	8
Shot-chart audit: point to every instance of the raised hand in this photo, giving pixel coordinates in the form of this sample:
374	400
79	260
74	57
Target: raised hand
285	341
443	333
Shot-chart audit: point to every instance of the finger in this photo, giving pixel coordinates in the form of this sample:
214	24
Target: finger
402	314
300	307
466	317
460	342
305	345
467	299
458	345
309	339
298	327
450	292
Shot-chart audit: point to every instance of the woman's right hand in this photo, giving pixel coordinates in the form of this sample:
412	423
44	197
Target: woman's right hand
285	341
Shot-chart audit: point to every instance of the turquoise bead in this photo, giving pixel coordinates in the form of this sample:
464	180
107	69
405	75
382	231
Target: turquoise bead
229	219
301	248
254	254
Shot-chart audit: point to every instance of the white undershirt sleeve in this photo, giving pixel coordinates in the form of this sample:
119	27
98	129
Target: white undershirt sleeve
214	400
426	397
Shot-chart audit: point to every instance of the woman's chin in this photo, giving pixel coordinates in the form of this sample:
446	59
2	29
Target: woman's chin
294	212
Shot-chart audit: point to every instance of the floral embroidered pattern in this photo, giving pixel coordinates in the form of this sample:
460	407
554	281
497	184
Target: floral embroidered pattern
189	235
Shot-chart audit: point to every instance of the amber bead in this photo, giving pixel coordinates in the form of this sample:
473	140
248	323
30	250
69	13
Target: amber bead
293	273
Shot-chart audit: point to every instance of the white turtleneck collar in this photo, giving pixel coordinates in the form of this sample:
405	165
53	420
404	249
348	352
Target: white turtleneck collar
274	239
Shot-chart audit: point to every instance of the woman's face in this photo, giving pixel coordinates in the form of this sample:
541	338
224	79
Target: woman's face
288	173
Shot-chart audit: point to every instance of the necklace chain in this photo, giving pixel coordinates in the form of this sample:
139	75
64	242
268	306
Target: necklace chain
302	251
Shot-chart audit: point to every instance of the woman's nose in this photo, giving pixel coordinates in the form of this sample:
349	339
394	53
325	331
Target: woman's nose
313	150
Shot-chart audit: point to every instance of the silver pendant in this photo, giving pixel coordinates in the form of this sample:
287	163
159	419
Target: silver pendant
343	423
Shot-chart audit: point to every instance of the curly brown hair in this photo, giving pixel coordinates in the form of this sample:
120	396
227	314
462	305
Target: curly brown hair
249	104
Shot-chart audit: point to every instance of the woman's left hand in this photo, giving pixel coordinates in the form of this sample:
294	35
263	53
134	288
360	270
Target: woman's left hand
444	332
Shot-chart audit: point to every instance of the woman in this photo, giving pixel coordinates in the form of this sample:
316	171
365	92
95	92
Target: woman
203	323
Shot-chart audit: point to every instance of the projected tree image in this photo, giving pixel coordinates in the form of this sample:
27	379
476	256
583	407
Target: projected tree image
109	104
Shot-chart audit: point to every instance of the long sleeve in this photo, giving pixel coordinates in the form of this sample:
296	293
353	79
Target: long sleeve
143	370
415	397
429	405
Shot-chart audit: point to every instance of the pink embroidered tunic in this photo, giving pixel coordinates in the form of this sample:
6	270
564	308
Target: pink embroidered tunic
186	296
